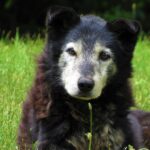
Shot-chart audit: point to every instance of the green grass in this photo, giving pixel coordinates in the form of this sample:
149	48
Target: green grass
17	67
141	76
17	63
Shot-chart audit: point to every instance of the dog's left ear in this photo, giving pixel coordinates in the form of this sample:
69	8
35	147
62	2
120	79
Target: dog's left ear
126	31
60	18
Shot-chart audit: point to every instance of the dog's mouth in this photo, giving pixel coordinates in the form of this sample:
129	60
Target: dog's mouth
84	96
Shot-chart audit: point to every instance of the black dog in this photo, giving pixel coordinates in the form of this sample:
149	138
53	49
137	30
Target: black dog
86	59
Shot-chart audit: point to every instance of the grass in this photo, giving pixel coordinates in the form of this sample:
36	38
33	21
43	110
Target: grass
17	67
141	76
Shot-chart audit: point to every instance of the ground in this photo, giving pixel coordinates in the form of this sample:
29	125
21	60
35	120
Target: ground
17	67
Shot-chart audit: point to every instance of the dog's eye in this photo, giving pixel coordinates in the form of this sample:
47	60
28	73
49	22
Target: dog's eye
104	56
71	51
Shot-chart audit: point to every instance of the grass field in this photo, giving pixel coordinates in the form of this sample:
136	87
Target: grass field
17	67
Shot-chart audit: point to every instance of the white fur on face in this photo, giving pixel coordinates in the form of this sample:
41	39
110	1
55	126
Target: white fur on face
71	68
101	69
70	73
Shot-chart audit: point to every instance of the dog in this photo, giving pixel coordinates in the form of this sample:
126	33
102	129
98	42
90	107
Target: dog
85	60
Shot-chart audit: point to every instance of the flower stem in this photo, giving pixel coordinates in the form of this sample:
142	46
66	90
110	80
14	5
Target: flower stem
91	121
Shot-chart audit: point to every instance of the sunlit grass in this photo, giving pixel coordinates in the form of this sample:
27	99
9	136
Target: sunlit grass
17	65
141	76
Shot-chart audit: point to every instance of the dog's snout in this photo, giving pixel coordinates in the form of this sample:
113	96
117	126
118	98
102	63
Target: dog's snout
85	84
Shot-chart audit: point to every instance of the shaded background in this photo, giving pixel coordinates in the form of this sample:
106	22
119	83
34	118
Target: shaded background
29	15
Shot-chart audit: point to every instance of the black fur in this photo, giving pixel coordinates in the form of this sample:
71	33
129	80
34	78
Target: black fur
144	120
51	116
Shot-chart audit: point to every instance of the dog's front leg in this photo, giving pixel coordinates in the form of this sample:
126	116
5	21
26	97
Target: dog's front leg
52	134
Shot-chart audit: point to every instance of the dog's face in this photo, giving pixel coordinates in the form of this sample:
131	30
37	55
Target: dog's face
86	64
89	51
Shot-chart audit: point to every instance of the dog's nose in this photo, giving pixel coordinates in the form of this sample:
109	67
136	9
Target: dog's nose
85	84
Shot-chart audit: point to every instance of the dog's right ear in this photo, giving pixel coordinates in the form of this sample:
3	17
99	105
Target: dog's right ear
126	31
60	18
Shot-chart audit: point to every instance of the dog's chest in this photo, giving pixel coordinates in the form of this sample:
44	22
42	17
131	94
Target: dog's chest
104	135
104	139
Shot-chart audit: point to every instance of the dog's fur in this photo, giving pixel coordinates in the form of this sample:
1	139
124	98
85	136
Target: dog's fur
144	120
86	48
